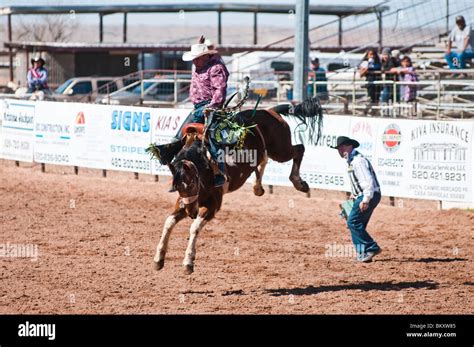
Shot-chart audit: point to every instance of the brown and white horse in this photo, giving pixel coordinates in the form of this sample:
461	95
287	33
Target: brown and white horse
193	175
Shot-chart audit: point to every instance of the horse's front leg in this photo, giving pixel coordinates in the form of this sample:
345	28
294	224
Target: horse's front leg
178	214
196	227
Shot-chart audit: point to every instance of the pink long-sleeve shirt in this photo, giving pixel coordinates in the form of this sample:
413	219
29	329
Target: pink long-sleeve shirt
210	82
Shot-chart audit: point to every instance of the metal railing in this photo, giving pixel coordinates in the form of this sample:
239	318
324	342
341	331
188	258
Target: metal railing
437	95
433	99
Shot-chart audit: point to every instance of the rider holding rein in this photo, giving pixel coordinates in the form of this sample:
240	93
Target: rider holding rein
208	90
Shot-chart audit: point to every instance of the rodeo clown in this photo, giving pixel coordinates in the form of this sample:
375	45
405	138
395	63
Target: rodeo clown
366	196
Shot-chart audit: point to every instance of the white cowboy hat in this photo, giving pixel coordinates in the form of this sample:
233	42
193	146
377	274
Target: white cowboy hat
198	50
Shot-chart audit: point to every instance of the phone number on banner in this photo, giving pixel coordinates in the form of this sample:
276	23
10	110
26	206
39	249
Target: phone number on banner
324	179
441	176
131	164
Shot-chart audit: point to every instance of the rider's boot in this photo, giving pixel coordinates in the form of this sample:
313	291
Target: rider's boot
219	178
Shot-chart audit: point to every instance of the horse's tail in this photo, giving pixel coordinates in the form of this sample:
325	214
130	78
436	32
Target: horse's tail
309	113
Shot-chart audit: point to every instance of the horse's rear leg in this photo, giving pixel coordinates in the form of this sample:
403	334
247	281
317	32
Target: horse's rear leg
178	214
295	178
257	187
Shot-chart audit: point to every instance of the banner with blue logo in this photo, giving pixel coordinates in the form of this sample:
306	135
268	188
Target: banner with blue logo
128	135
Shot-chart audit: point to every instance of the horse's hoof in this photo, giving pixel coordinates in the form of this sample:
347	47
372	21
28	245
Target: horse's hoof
258	191
304	187
158	265
188	269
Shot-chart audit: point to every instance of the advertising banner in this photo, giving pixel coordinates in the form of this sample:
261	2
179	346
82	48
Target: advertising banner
17	130
54	131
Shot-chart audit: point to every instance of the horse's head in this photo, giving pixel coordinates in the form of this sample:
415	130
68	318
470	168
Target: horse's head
187	182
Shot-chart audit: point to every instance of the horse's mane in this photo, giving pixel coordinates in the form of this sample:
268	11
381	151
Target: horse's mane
194	153
309	113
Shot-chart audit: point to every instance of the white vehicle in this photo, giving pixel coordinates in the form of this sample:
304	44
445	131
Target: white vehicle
263	67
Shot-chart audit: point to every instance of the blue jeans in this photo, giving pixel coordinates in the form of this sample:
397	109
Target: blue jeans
387	94
458	60
195	116
357	223
216	151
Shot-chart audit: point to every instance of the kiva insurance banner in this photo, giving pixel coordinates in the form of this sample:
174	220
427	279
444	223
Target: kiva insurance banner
425	159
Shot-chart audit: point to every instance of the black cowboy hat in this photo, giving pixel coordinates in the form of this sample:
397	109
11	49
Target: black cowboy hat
38	59
344	140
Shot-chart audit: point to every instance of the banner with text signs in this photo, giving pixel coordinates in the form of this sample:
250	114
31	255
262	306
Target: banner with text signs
128	136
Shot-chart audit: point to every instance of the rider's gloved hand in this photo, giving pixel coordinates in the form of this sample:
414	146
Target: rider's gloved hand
209	110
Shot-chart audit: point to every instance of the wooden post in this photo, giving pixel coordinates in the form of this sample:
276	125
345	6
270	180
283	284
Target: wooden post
125	27
17	163
157	178
255	30
101	27
339	32
10	49
392	201
43	167
219	27
76	170
104	173
308	193
379	17
270	189
135	175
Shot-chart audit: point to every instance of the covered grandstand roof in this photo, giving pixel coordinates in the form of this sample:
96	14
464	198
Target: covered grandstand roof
155	47
336	10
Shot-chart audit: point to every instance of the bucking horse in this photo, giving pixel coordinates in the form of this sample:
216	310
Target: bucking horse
269	136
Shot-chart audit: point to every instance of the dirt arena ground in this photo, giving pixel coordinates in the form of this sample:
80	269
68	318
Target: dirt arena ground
96	239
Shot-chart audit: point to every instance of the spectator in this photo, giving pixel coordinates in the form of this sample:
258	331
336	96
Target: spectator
370	69
37	76
408	74
461	36
397	56
389	64
318	74
285	90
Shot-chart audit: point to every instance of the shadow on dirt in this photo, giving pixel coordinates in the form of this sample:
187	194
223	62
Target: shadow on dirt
424	260
364	286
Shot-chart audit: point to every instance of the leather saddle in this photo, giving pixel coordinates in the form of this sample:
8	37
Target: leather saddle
193	128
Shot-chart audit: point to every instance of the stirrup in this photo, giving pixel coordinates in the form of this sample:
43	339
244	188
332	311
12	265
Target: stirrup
219	180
